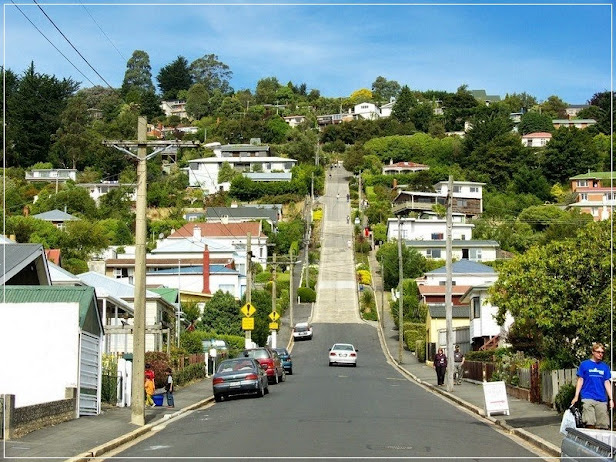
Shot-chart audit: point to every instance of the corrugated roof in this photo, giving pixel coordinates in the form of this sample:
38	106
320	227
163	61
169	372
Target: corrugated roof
465	267
83	295
197	269
454	243
120	289
211	230
440	290
169	294
188	244
438	311
15	257
59	274
213	213
268	176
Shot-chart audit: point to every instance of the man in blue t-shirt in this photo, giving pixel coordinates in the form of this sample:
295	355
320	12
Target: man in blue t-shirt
594	387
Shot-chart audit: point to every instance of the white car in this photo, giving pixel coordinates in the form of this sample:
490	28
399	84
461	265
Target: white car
302	331
343	353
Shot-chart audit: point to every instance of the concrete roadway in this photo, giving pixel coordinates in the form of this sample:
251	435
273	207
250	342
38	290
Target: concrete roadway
370	411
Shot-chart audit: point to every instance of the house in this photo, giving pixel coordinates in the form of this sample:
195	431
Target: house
24	264
536	140
242	214
233	235
174	108
573	109
467	199
51	335
243	158
386	109
482	97
192	279
473	250
366	111
464	273
97	190
333	119
54	175
484	330
295	120
56	217
160	315
594	194
403	167
436	320
577	123
412	229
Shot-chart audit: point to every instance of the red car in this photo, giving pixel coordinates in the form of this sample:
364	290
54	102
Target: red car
266	356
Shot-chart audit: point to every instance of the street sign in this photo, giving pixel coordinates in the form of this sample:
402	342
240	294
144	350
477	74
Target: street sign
248	310
274	316
248	323
273	325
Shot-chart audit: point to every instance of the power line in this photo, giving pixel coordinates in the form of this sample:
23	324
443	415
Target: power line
51	43
101	29
73	46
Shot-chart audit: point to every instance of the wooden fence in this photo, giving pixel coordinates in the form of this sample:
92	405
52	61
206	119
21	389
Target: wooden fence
551	381
477	370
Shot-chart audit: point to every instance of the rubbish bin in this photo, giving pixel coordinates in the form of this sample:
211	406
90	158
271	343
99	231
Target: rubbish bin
158	399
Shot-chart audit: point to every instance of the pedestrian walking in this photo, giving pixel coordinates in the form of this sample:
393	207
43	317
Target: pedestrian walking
338	196
348	219
440	364
169	388
594	388
458	362
149	385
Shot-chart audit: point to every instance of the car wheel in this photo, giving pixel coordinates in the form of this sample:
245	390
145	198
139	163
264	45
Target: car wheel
290	371
354	364
260	391
283	376
275	377
331	364
267	389
218	397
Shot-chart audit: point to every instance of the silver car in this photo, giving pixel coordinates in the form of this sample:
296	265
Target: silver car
239	376
302	331
343	353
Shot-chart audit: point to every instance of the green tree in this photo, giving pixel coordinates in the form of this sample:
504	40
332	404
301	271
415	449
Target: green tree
519	102
84	238
266	89
360	96
212	74
404	105
569	153
413	263
138	75
33	230
563	289
532	122
71	140
197	101
226	173
605	102
458	107
421	116
222	314
117	231
72	199
383	90
174	77
554	107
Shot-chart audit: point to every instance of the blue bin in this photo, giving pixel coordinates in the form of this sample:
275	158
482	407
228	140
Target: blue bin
158	399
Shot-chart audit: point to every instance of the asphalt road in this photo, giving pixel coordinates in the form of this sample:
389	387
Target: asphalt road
322	411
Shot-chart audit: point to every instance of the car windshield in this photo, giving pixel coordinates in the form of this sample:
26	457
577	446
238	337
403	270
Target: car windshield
281	351
257	354
235	365
343	347
301	328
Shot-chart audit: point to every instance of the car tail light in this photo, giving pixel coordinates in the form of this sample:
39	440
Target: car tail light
218	380
353	354
333	353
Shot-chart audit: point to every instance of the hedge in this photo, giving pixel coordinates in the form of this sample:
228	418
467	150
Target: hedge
420	350
306	295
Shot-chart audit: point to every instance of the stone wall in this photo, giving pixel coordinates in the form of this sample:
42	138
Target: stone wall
23	420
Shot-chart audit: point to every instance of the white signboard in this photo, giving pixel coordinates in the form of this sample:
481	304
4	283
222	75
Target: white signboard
495	395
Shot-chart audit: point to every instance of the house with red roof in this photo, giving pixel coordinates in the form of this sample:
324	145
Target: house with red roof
536	140
403	167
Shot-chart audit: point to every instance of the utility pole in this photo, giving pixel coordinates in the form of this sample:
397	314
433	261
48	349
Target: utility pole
291	287
274	299
359	192
248	338
138	374
448	284
382	294
400	304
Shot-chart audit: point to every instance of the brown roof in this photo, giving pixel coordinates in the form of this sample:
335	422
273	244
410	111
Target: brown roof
405	165
537	135
220	230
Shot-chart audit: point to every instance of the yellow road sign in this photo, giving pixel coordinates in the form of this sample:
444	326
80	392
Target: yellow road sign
248	323
248	310
273	325
274	316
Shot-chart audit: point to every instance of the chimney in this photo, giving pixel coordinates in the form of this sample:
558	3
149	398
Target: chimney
206	270
224	219
391	161
197	232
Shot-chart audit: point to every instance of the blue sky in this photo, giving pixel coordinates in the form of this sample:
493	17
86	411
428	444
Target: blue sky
561	49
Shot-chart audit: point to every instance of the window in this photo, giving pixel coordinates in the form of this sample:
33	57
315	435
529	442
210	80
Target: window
456	189
476	307
437	236
442	283
227	288
583	196
433	253
474	189
595	211
582	183
475	254
462	203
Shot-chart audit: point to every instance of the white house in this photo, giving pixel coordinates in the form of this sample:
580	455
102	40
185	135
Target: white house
577	123
536	140
295	120
56	175
174	108
473	250
414	229
403	167
483	326
244	158
50	340
388	107
465	273
97	190
367	111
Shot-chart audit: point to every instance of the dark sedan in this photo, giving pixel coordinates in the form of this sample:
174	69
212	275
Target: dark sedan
239	376
287	360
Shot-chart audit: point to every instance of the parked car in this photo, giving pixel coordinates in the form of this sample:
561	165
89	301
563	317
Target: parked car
302	331
268	357
343	353
287	360
239	376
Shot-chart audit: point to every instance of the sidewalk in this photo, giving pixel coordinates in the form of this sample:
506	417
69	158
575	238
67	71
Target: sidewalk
536	423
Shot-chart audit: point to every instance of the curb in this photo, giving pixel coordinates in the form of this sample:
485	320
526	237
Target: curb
120	440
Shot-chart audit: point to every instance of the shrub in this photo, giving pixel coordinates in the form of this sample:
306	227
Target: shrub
364	276
191	342
413	332
262	278
160	362
484	356
306	295
564	396
189	373
420	350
